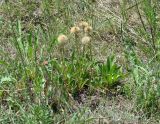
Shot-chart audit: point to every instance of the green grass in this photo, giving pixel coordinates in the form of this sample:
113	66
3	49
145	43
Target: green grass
114	78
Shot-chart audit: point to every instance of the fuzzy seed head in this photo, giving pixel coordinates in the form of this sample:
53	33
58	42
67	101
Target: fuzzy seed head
75	30
86	40
88	29
83	24
62	39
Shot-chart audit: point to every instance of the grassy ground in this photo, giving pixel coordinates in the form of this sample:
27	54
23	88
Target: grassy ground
88	61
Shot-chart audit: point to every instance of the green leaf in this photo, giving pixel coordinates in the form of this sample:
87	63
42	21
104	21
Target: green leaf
3	63
7	79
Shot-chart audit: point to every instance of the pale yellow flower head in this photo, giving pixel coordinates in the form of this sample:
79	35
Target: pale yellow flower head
86	40
83	24
62	39
75	30
88	29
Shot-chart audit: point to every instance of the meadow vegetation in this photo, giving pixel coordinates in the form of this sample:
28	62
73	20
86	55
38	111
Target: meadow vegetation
80	61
